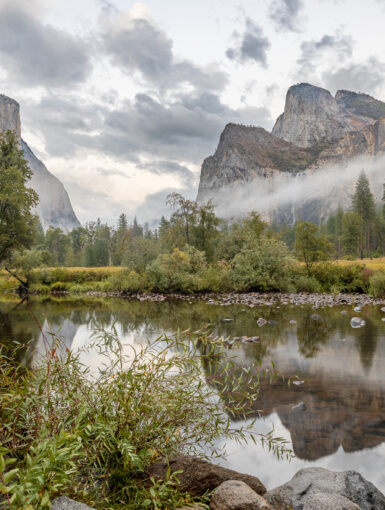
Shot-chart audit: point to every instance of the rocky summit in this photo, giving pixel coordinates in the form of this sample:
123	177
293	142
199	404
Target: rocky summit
276	173
54	208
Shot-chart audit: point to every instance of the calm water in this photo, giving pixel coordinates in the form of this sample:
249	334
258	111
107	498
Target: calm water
340	423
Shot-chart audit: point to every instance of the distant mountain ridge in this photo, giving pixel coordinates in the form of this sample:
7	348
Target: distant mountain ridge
316	130
54	208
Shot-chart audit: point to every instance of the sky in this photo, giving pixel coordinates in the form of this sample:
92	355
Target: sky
123	100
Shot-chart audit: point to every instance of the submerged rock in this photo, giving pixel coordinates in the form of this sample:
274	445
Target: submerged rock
318	484
357	322
261	322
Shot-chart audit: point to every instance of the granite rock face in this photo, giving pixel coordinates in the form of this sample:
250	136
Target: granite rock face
316	132
54	208
318	484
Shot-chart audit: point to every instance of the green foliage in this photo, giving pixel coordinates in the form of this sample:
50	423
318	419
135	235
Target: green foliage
262	265
306	283
310	246
17	223
377	285
89	435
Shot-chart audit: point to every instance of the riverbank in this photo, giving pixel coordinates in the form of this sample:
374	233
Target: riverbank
327	277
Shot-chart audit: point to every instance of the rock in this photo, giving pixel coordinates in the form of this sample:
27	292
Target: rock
236	495
227	319
323	501
310	482
261	322
357	322
299	407
54	206
357	309
298	383
292	322
383	309
64	503
199	476
344	312
315	317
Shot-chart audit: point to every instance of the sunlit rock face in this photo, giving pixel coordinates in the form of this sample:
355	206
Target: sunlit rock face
54	208
253	169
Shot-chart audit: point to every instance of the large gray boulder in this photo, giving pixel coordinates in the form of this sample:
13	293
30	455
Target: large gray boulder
198	476
322	501
64	503
236	495
320	484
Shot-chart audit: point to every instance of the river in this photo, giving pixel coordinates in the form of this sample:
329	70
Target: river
334	416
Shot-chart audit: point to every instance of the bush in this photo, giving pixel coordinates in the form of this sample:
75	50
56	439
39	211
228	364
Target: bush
352	278
176	271
90	435
263	265
129	282
377	285
306	283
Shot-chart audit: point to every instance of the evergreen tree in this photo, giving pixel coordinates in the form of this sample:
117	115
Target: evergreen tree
363	204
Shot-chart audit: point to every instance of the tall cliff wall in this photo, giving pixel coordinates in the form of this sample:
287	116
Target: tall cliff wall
54	208
316	131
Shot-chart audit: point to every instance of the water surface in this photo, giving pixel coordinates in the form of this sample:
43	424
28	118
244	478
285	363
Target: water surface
340	420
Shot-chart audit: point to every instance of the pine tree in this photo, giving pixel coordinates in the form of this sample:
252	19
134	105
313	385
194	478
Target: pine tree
363	204
122	222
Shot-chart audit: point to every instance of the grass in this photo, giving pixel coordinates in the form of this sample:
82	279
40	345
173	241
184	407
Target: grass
375	264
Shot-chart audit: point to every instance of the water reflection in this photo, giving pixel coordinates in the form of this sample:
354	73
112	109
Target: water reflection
339	410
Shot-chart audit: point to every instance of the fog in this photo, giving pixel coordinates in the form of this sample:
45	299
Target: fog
287	194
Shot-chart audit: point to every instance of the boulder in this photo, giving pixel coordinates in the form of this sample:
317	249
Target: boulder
64	503
236	495
322	501
309	483
199	476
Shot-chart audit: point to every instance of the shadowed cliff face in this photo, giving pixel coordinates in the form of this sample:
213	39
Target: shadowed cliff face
54	208
316	131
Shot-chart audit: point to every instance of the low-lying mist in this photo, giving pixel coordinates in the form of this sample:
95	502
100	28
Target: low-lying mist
288	197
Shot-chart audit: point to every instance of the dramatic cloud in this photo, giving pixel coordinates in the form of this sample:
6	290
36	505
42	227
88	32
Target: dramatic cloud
285	14
365	77
138	45
39	54
338	46
185	129
251	45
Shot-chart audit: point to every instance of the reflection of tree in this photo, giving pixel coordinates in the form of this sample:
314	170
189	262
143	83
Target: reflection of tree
312	334
366	342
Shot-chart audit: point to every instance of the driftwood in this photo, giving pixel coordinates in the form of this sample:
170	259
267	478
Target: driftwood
23	287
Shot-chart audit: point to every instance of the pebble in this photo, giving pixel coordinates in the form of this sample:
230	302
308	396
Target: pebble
298	383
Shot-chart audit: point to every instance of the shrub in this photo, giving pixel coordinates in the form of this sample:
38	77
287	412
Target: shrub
377	284
262	265
176	271
129	282
90	435
306	283
349	278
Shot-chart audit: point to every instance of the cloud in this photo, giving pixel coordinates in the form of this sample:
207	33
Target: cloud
183	129
285	14
252	45
37	54
366	76
186	176
339	46
137	45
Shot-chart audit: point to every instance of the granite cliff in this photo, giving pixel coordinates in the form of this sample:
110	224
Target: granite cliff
315	132
54	208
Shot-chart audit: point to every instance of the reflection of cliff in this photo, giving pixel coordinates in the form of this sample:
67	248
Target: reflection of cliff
331	414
